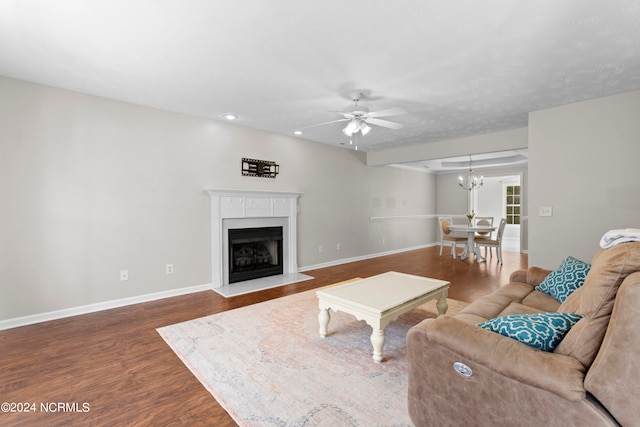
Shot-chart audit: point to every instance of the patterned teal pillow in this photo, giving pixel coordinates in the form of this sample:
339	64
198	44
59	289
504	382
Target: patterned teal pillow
541	330
566	279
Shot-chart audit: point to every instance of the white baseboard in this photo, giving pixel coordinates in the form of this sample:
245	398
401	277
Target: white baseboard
361	258
91	308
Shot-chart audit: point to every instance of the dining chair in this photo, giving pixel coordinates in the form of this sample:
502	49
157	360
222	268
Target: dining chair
494	243
446	236
484	220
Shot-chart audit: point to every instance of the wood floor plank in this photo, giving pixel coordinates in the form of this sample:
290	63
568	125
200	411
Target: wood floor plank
115	361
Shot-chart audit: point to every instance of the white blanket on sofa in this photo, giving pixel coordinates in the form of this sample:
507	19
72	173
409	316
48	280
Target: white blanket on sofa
614	237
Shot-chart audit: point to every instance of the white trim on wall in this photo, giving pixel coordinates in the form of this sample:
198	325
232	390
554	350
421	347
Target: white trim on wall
364	257
92	308
395	217
424	216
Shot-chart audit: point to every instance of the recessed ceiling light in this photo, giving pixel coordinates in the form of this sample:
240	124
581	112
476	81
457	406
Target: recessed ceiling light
230	116
297	132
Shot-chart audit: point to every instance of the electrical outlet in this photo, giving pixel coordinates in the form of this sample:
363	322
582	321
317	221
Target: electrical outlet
545	211
124	275
320	249
338	246
168	269
384	240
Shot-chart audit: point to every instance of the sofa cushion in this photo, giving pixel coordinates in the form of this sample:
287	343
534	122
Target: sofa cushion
595	300
540	330
565	280
518	308
487	307
541	301
512	298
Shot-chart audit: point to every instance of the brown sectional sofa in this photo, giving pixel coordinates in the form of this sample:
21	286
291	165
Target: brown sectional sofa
590	379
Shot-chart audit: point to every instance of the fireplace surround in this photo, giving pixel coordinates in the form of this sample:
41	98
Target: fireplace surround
247	209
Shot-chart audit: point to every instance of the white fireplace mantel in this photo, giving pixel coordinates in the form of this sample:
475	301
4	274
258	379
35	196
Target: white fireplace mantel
250	208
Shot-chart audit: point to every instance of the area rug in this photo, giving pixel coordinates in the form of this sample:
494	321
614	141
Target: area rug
267	365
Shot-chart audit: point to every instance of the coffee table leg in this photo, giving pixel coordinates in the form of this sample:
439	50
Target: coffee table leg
377	339
442	304
323	318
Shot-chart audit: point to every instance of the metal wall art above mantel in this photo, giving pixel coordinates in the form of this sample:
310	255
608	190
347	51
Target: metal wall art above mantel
259	168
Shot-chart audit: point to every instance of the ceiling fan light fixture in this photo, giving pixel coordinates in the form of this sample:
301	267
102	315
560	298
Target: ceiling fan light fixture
351	128
364	128
359	120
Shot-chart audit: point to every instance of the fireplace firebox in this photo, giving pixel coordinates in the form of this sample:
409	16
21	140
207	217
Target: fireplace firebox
255	253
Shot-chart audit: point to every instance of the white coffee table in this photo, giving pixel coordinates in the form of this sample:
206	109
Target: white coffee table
379	300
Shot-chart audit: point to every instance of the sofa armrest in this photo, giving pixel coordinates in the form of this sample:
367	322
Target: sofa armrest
532	275
559	374
613	376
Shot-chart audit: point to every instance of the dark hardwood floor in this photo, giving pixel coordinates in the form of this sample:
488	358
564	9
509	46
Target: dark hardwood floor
115	361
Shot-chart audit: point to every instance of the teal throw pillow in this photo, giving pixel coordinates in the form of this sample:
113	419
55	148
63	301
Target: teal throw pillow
567	278
540	330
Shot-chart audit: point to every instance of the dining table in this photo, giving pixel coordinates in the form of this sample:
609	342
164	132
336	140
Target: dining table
471	231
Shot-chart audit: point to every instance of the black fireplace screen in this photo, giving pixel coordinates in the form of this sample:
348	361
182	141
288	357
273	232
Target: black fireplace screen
254	253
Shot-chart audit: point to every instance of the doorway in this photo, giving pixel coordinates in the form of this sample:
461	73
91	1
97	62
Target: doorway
501	197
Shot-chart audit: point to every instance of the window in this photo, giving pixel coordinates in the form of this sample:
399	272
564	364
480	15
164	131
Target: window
512	204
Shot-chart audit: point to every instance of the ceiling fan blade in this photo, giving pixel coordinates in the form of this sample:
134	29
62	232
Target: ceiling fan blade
347	114
389	112
325	123
384	123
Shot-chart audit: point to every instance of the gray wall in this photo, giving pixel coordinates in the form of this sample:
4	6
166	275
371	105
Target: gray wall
583	162
91	186
451	199
489	198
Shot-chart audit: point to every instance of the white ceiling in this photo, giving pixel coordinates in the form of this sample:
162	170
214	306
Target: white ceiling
477	162
459	68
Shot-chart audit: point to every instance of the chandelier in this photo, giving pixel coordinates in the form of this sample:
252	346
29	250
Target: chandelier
472	182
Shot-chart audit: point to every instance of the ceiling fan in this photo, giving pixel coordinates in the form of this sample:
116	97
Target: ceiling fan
359	118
